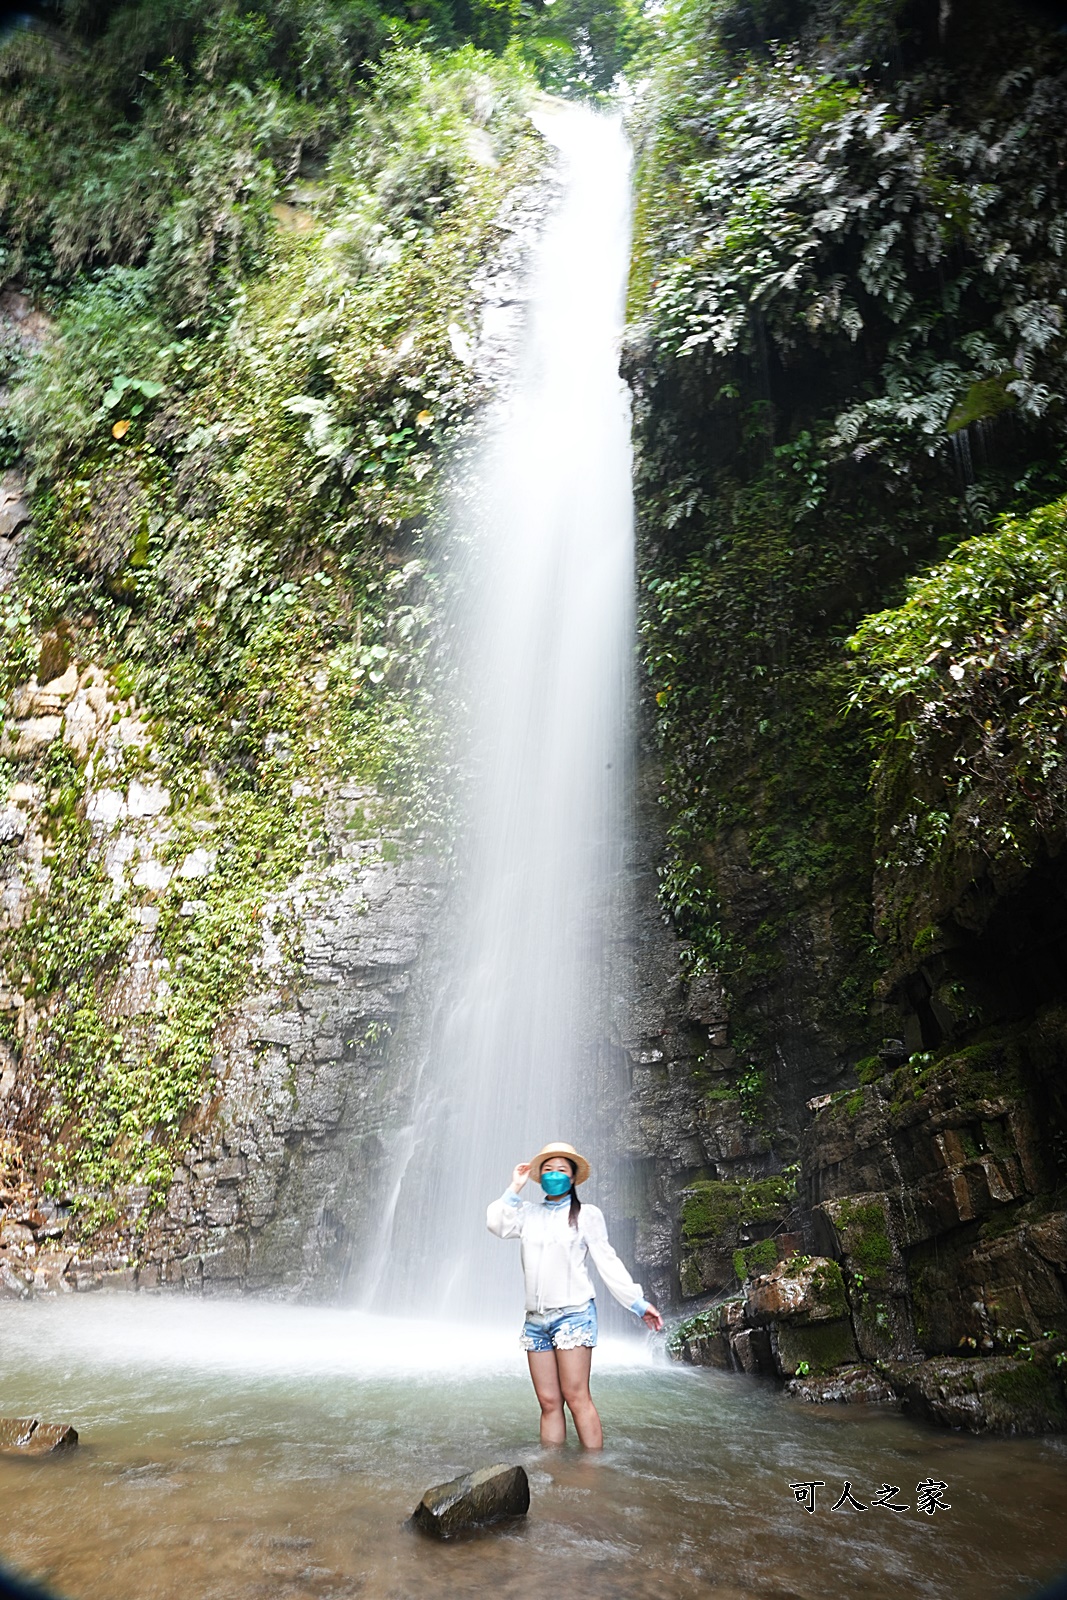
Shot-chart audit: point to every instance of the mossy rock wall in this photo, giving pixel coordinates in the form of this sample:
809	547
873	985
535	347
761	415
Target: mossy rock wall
852	558
227	797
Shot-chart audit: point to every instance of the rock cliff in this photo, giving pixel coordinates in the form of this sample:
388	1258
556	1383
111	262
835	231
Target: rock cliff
851	585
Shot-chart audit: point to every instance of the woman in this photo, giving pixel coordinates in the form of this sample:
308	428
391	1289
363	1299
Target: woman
560	1329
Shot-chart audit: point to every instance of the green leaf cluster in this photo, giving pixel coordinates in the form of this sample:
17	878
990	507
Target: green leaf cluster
792	206
847	348
252	561
966	687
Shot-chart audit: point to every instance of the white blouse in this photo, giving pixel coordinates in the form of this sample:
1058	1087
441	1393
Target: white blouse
554	1254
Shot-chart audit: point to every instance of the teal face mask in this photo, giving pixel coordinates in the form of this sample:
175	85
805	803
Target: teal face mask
555	1183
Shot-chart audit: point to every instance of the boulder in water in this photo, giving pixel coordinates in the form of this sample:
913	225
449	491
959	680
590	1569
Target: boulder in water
493	1494
26	1436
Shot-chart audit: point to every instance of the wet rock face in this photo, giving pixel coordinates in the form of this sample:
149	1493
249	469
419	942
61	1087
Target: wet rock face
14	520
932	1192
309	1087
22	328
791	1320
683	1125
309	1072
931	1195
944	1266
475	1500
806	1290
795	1336
801	1304
999	1395
817	1347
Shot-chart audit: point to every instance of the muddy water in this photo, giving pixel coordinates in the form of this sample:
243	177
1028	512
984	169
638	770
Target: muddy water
240	1451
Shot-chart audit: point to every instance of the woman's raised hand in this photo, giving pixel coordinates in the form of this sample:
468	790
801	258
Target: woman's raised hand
520	1175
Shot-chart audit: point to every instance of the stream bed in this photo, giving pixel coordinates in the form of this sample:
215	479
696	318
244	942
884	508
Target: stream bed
243	1449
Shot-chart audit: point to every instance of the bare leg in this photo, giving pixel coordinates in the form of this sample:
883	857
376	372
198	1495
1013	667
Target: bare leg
549	1394
573	1366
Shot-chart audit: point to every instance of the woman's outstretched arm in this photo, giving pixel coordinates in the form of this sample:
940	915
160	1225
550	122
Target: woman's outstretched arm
615	1276
504	1216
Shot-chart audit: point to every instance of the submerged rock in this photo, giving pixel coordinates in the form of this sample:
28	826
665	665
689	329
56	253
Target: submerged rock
26	1436
493	1494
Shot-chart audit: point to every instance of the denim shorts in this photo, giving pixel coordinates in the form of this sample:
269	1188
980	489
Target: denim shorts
560	1328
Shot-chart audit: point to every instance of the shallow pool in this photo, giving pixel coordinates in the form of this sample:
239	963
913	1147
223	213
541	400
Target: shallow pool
240	1450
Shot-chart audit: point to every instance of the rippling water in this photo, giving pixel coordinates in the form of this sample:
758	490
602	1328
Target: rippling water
248	1450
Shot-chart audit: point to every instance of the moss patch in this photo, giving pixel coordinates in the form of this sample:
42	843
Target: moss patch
829	1287
866	1237
823	1345
711	1208
1031	1389
755	1258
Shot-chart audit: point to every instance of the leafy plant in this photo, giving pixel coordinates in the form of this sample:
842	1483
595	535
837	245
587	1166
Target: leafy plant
256	579
964	683
847	352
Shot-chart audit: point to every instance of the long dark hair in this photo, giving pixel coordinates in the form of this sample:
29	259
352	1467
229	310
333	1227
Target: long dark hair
576	1204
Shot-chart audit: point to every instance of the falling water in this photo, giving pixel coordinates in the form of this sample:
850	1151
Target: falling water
547	625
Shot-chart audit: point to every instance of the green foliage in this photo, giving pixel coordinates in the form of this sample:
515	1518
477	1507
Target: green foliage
184	191
64	952
965	686
847	349
110	327
318	49
788	209
868	1244
582	46
18	639
750	1090
159	133
251	560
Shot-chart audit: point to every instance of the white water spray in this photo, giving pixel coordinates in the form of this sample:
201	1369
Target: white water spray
547	624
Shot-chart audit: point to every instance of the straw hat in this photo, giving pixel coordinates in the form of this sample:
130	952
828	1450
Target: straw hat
559	1148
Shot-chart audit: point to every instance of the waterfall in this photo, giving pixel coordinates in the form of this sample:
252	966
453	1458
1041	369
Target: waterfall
546	623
